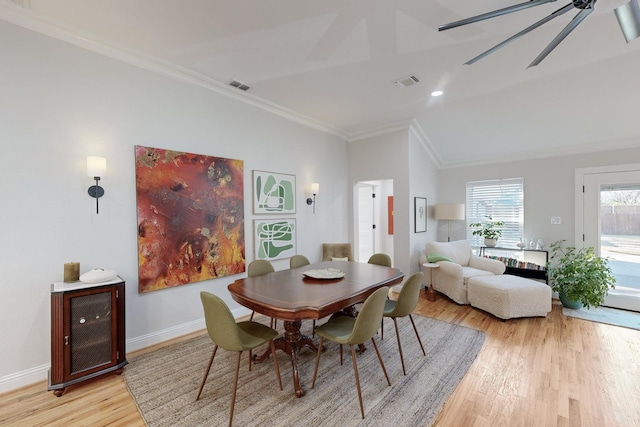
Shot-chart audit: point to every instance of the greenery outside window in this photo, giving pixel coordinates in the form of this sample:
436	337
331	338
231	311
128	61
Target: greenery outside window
502	200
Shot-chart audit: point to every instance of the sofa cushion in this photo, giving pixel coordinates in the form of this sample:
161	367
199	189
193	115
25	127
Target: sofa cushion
458	251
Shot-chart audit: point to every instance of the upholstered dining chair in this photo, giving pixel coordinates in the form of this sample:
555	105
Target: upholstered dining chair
260	267
380	259
298	261
333	251
231	336
403	307
346	330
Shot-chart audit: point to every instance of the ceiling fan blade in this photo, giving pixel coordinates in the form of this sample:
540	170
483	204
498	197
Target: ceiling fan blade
530	28
629	19
564	33
499	12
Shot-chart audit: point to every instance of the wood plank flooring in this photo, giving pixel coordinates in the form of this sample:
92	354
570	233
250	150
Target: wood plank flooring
553	371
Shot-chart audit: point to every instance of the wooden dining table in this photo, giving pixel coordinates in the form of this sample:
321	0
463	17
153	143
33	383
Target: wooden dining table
292	296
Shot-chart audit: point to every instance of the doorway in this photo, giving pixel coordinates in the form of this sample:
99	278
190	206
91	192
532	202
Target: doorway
611	211
372	231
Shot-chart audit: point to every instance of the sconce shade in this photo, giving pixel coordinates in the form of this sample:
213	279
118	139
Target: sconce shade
629	20
450	211
96	166
315	188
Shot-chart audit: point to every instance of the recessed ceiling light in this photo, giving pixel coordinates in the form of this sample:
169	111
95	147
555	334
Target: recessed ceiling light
437	93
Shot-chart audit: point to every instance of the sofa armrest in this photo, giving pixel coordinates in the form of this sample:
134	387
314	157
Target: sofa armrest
487	264
448	269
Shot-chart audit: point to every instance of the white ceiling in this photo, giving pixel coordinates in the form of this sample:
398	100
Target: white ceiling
334	61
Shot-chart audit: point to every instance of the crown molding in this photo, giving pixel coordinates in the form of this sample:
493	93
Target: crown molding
25	18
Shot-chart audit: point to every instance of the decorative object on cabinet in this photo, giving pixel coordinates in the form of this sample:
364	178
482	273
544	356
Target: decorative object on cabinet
274	193
489	230
190	217
449	212
87	332
420	214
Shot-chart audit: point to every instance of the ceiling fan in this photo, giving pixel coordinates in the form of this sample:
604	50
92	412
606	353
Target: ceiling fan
628	17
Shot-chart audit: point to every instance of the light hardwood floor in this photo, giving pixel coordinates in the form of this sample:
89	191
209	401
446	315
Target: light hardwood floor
553	371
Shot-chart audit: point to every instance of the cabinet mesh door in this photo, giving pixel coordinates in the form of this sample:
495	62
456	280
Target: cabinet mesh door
90	331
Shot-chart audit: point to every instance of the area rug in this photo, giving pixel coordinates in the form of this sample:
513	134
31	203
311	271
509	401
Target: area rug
165	382
610	316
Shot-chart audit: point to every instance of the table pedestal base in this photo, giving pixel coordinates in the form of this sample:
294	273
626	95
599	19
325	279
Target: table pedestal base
291	343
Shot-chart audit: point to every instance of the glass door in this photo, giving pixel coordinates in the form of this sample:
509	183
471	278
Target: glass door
612	227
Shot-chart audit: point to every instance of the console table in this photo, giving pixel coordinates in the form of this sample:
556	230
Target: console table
526	263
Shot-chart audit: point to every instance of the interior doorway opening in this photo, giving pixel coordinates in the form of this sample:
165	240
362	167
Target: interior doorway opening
374	218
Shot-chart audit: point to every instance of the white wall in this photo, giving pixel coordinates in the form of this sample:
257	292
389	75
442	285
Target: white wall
61	103
548	189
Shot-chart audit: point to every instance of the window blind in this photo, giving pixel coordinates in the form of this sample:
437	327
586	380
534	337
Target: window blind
502	200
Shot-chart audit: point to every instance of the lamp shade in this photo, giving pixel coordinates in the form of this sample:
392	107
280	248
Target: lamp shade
450	211
315	188
96	166
629	20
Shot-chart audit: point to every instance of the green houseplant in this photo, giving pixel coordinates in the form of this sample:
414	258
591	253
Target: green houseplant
580	277
489	230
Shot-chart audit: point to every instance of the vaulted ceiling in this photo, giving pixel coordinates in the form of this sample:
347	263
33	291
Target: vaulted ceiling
335	63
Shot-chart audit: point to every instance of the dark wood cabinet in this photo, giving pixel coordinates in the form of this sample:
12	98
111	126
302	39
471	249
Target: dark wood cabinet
87	332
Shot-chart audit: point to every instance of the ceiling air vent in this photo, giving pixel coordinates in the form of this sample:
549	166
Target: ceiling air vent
407	81
239	85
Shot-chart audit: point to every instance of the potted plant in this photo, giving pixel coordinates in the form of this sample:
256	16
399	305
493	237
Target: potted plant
580	277
489	230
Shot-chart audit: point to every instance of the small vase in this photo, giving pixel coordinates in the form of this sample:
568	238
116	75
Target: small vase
490	243
521	244
569	303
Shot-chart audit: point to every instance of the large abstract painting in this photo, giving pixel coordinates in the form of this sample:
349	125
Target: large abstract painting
275	238
273	193
190	217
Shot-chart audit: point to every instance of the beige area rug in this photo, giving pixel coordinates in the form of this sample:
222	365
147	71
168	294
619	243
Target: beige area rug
610	316
164	383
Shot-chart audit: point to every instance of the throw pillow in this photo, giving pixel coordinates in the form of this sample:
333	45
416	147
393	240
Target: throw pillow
438	257
333	258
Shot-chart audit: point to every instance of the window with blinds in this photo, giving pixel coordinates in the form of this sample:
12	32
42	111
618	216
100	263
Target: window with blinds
502	200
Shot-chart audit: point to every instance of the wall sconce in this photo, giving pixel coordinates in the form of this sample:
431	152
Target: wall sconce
314	189
449	212
96	167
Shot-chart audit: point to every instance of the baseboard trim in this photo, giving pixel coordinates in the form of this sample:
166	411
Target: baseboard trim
40	373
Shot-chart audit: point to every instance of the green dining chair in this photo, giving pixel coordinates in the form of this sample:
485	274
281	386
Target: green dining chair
231	336
260	267
298	261
346	330
380	259
403	307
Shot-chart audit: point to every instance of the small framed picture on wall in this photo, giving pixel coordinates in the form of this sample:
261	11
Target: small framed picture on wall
420	214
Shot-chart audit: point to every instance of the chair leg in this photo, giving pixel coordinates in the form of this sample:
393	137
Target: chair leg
381	362
235	388
252	313
206	373
313	331
417	335
382	329
355	374
395	323
250	358
315	371
275	362
340	354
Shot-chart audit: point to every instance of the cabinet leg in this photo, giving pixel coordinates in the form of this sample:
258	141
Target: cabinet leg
59	392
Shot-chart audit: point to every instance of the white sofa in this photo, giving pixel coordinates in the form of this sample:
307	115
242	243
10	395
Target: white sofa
452	277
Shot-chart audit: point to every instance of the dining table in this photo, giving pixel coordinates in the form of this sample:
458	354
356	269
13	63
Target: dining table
310	292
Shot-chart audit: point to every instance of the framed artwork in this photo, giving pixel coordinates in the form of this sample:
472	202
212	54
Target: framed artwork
274	238
190	217
273	193
420	214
